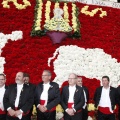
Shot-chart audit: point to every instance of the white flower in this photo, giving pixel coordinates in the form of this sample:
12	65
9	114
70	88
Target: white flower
91	63
16	35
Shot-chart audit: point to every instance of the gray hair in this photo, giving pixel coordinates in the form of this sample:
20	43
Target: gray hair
48	71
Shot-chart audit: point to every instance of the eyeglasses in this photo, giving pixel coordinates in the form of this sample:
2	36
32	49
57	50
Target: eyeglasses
71	78
45	75
2	79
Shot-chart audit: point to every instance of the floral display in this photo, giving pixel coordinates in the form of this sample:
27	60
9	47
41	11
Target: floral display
17	5
48	22
93	12
99	44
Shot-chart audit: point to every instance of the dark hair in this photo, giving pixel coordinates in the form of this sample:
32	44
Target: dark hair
26	75
106	77
3	75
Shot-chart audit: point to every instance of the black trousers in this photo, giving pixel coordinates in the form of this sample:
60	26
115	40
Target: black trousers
85	113
2	116
119	113
26	117
46	115
102	116
77	116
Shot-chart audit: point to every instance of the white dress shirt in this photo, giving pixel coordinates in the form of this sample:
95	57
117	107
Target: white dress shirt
71	94
105	99
44	95
2	92
19	89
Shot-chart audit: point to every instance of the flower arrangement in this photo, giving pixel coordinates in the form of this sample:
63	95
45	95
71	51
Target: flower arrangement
39	29
17	5
85	11
59	112
30	54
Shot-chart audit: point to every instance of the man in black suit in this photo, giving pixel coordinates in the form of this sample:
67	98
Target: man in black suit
32	86
2	92
105	100
118	101
72	99
18	99
86	96
47	97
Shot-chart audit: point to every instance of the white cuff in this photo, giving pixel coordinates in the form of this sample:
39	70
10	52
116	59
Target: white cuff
21	111
8	108
74	109
66	110
38	105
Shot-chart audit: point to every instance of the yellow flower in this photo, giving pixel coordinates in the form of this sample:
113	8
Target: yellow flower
91	107
59	108
91	14
34	112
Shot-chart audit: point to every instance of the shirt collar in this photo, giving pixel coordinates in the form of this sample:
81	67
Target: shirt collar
2	87
72	86
20	85
46	83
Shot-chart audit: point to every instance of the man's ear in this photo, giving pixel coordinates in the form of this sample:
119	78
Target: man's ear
24	78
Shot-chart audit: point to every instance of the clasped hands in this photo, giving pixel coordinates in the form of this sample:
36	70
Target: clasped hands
70	111
14	113
42	108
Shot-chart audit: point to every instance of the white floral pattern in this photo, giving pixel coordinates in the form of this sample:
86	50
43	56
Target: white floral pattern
91	63
16	35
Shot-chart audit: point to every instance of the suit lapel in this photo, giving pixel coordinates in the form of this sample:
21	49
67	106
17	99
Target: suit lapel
23	93
76	91
51	86
110	93
15	91
40	90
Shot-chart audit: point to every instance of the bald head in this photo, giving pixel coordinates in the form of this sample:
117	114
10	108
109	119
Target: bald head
19	78
72	79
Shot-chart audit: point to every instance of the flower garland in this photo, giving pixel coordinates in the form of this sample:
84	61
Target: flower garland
47	11
93	12
74	18
17	5
39	15
75	21
66	14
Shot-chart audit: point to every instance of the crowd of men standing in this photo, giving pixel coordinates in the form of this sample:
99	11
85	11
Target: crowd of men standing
17	100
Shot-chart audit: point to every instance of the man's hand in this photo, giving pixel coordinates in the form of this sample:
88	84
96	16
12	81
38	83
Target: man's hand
17	112
45	108
70	112
42	108
11	112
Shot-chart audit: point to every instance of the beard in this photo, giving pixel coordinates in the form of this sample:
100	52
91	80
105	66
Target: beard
18	82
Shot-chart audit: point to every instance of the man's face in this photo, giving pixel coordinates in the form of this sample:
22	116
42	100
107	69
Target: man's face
72	79
19	78
2	80
27	79
79	81
46	77
105	82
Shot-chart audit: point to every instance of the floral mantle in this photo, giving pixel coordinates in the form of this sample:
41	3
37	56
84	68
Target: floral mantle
44	14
